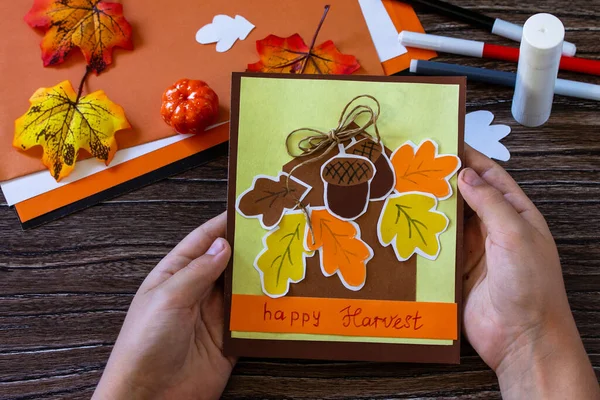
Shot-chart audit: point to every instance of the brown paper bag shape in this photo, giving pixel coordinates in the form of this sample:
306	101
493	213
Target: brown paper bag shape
387	278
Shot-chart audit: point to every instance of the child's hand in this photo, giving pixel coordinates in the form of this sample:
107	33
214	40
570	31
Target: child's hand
171	341
517	315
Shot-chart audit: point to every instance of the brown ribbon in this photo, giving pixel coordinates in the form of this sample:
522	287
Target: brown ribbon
326	141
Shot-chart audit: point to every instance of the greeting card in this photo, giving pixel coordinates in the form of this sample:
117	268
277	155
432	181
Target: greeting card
344	218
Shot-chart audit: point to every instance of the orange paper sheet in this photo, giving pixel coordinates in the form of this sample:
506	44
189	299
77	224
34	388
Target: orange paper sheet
405	19
78	190
346	317
165	51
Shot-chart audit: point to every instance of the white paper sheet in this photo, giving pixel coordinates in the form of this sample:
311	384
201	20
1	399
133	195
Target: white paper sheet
29	186
383	32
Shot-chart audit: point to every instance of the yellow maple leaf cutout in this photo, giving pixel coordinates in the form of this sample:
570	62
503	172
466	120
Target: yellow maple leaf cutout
283	259
62	124
411	224
341	249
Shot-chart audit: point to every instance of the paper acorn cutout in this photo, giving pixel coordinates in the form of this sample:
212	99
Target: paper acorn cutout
384	179
347	185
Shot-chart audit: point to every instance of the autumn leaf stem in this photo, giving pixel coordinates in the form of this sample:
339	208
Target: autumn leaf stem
82	83
335	236
288	252
314	39
411	222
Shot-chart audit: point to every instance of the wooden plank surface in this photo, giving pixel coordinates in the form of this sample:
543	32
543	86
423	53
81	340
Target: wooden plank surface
65	287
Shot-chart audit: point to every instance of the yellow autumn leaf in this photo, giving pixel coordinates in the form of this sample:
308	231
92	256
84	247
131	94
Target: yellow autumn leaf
62	123
283	259
411	224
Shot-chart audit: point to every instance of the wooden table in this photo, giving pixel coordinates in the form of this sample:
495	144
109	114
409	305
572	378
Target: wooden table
65	287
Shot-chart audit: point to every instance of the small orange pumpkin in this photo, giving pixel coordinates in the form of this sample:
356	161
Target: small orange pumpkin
190	106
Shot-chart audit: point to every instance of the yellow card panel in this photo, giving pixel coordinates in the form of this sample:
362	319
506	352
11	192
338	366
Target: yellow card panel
271	108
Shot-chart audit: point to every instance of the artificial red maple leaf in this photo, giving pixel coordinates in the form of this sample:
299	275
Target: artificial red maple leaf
292	55
95	26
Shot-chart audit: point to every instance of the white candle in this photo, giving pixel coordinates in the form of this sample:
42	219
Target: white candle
541	49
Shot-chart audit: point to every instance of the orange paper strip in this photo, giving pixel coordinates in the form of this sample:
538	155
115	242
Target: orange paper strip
346	317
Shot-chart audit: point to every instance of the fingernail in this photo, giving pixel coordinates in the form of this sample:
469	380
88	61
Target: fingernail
216	248
471	178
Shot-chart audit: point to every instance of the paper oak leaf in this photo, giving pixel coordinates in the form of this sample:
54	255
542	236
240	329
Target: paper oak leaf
292	55
95	26
411	224
421	169
62	124
270	197
340	248
283	259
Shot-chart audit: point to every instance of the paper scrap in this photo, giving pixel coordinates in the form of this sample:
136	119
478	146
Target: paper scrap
224	31
484	137
383	32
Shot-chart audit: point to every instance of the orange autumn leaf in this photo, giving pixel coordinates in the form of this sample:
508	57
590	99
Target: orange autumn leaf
95	26
62	122
291	55
421	169
340	248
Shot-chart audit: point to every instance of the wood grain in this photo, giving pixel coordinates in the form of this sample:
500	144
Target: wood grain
65	287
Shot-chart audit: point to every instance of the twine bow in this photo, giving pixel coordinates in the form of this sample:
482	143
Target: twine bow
318	140
325	141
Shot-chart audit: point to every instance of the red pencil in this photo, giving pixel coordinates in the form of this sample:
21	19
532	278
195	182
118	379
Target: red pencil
575	64
492	51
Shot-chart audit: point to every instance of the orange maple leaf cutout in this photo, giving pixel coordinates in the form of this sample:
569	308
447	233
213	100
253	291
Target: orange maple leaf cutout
292	55
340	248
421	169
95	26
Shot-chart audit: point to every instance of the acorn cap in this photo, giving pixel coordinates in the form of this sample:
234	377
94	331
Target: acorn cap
366	147
348	171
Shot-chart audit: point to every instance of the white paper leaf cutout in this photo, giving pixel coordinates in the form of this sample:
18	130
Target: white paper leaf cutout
484	137
224	31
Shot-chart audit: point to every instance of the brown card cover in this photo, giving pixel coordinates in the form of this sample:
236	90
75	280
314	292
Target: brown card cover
322	350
